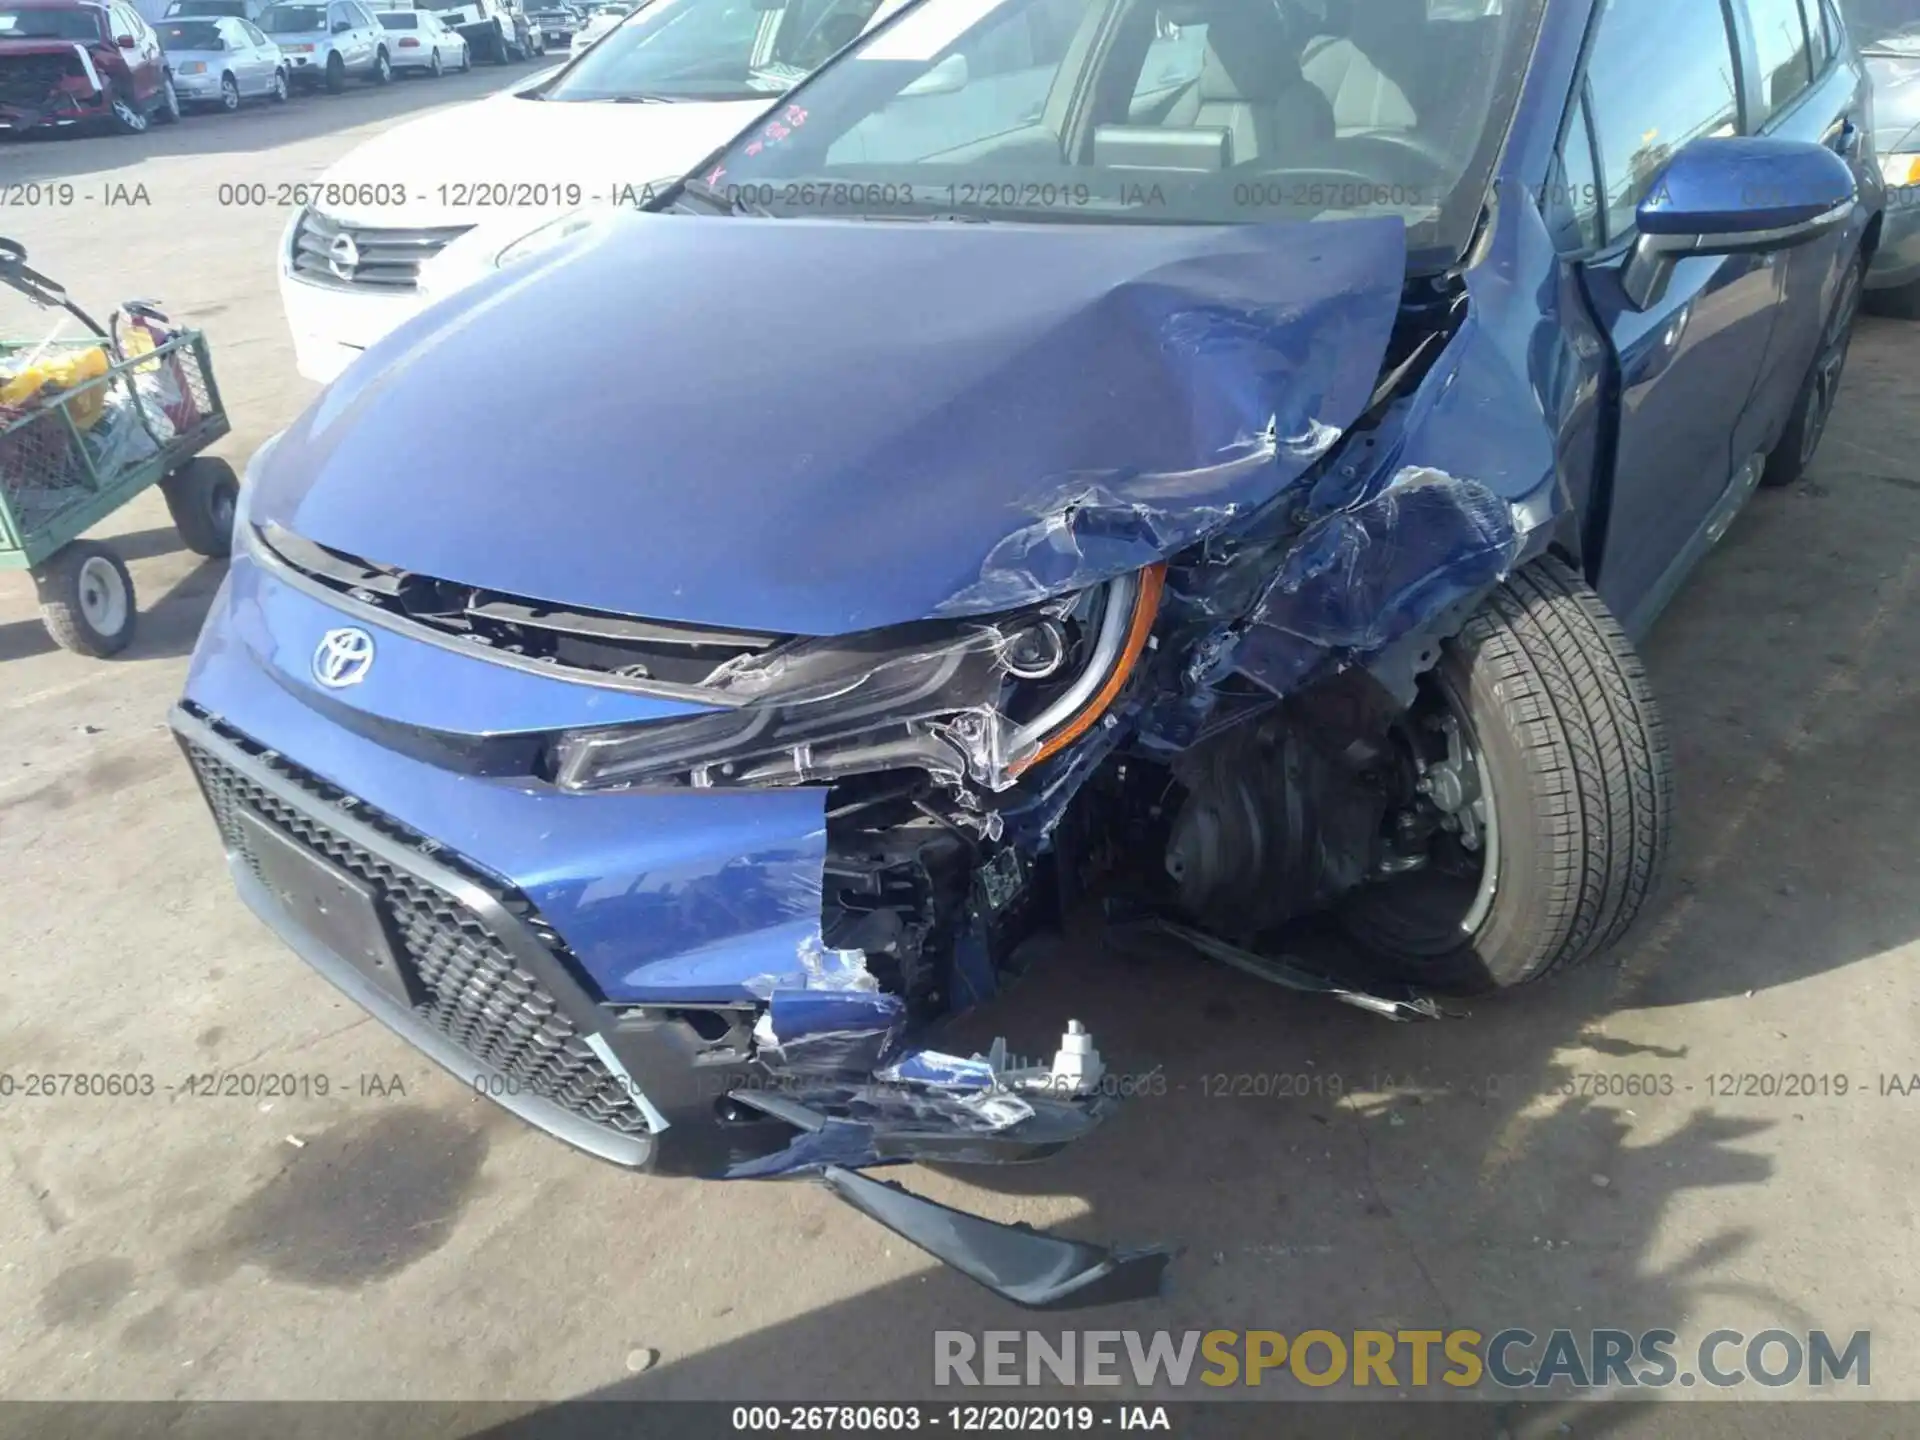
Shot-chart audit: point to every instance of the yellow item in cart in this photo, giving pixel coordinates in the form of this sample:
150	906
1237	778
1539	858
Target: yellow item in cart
63	372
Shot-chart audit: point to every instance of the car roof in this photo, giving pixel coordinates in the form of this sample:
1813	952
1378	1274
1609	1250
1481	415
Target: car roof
56	4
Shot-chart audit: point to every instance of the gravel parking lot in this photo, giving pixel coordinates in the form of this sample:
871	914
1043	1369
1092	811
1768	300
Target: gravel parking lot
1566	1157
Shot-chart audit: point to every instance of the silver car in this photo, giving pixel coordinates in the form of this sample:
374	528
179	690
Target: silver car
328	41
221	60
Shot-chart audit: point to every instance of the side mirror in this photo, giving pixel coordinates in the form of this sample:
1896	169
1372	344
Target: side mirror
943	79
1741	196
340	27
125	42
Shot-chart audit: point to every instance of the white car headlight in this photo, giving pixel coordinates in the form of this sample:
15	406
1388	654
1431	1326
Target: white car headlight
547	236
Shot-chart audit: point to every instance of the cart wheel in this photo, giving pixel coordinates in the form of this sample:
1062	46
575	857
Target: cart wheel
201	496
86	599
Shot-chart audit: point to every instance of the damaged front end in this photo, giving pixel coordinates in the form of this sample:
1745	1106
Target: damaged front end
48	84
695	896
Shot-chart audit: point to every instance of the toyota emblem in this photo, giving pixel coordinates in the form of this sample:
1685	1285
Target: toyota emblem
343	658
343	256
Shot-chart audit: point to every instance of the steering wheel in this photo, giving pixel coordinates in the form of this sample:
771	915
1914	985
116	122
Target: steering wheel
1410	142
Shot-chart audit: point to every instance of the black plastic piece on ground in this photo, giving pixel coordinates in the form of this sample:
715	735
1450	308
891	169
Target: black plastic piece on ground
1038	1271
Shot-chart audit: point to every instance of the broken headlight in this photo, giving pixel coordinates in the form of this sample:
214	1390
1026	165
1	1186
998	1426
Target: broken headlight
980	700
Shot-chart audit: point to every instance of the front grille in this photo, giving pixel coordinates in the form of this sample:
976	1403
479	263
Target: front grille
476	995
355	257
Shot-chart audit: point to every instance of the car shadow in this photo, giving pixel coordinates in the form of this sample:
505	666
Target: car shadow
256	127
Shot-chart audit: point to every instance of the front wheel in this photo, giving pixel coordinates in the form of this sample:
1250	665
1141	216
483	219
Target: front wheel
168	111
466	58
86	599
336	74
1814	408
433	66
279	91
229	93
382	67
127	117
1545	796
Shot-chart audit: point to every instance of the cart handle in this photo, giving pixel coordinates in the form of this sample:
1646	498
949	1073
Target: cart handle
37	287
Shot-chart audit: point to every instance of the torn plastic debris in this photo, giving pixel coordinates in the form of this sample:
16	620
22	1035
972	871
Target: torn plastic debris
828	1032
1038	1271
924	1105
1397	1002
1364	576
870	1123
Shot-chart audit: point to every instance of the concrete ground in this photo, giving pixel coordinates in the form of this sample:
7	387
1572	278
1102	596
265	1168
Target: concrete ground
398	1238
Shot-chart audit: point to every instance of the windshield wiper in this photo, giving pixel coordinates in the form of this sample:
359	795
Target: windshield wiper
721	202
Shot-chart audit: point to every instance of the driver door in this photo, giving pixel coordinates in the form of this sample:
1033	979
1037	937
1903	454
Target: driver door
1661	74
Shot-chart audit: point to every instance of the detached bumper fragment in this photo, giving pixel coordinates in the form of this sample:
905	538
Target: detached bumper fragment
1038	1271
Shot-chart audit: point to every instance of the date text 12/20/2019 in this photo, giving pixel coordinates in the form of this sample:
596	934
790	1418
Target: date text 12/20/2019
956	1419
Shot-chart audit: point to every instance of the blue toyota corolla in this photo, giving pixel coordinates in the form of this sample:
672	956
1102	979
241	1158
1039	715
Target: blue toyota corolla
1214	455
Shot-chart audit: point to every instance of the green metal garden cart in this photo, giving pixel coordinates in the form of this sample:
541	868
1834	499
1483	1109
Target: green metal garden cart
86	424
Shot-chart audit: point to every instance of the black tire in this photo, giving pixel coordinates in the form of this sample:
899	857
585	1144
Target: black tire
86	599
382	68
229	94
1811	412
466	58
282	86
1573	751
1901	304
167	112
433	66
497	50
336	80
201	497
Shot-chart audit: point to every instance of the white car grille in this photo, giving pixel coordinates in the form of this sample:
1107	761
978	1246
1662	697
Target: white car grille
352	257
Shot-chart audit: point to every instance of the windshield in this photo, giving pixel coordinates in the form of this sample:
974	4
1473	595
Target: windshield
1184	111
1876	22
49	25
712	49
190	35
294	19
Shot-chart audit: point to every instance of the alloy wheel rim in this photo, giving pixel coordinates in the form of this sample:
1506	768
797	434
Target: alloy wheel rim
103	596
128	116
230	94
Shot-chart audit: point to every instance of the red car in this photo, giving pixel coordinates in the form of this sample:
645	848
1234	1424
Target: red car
72	62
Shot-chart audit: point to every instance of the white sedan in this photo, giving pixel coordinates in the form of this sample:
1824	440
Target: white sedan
606	18
442	201
421	42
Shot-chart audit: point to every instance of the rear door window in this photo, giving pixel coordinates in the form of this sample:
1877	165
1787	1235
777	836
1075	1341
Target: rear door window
1662	73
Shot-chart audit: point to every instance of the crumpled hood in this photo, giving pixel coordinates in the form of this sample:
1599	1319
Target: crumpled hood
822	426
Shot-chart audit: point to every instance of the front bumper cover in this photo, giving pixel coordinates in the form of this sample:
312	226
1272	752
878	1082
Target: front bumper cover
708	1106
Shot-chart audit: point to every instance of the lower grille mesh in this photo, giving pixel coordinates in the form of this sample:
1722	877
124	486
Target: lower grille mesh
477	996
